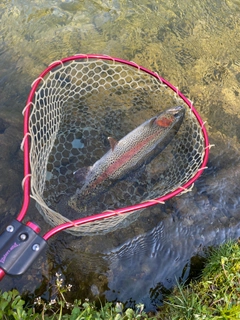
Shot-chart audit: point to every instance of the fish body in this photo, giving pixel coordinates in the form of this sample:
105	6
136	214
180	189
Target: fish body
127	155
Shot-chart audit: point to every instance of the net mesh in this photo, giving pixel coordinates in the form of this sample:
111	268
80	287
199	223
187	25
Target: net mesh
76	106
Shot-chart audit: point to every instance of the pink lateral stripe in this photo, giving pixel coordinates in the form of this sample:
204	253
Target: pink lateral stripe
106	214
122	160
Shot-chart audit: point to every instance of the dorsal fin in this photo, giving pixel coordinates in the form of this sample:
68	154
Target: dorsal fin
112	142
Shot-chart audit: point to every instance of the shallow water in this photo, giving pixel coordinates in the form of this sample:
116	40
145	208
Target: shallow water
195	45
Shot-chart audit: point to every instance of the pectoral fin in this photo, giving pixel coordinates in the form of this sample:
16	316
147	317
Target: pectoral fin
112	142
80	174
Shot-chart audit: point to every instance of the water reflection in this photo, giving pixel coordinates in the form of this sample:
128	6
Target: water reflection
192	44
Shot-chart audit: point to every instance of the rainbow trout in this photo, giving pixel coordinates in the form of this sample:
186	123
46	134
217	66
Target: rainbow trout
127	155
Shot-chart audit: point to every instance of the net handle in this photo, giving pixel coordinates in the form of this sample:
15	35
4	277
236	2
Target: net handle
106	214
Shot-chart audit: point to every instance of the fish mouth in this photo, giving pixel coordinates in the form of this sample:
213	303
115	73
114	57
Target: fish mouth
178	111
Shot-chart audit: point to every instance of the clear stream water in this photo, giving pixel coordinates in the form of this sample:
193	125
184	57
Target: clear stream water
193	44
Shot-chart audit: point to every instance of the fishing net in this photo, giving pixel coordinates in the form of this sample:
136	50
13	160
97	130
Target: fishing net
74	106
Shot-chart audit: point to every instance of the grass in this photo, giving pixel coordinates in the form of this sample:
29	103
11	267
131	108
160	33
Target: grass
215	296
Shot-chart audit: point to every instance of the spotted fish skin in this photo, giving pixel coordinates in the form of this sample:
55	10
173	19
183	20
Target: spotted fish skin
136	149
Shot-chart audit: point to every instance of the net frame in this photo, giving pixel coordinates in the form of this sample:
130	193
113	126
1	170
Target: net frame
26	145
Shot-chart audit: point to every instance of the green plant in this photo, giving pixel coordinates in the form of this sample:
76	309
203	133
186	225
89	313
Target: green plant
60	308
12	307
216	296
